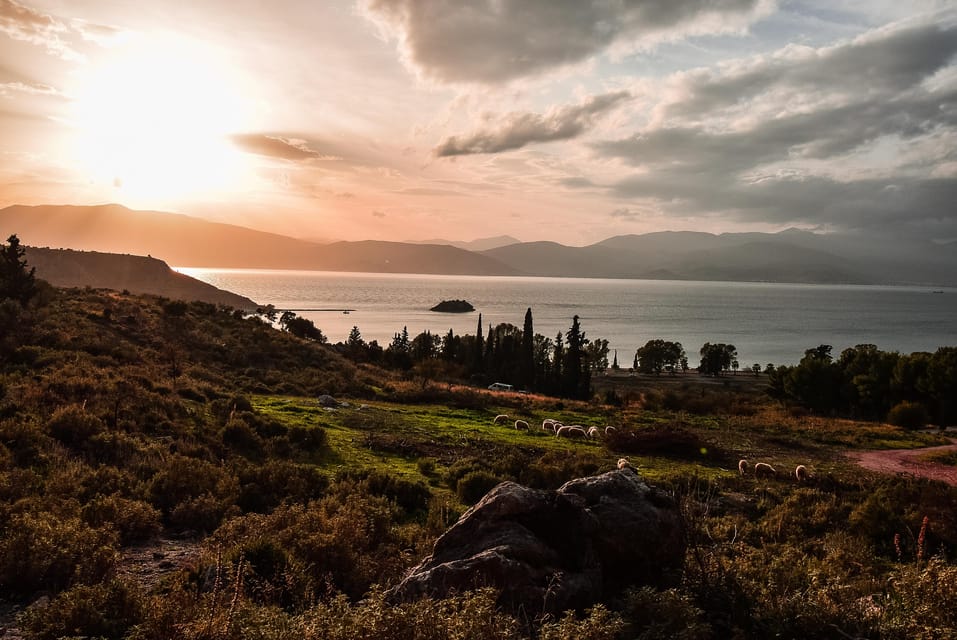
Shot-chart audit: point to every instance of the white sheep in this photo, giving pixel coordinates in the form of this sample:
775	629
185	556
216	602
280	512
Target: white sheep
763	468
571	431
801	473
623	463
549	423
592	432
610	430
500	419
521	424
743	467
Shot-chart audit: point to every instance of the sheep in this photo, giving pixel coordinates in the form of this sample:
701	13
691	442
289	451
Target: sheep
623	464
763	468
571	431
592	432
743	467
500	419
801	473
610	430
549	423
521	424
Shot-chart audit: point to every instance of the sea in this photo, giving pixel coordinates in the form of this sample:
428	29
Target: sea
767	322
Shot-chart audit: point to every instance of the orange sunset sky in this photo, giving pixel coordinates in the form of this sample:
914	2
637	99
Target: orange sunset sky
554	120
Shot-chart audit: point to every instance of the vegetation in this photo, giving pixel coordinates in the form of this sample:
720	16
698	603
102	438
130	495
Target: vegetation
129	420
865	382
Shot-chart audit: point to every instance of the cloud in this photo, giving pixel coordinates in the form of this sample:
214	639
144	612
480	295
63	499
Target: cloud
625	213
277	147
856	135
378	214
28	25
493	41
10	88
517	130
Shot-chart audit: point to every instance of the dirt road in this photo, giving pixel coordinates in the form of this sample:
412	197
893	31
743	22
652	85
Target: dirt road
907	461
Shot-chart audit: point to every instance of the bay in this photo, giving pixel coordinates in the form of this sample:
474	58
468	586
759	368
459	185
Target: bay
767	322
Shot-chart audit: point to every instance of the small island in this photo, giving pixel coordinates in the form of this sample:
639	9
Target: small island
453	306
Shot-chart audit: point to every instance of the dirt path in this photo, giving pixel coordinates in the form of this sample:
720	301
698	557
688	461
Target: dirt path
907	461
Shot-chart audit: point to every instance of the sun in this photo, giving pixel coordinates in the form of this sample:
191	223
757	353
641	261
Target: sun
154	119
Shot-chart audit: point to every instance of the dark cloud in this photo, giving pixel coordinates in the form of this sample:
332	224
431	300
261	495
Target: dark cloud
491	41
895	87
885	62
625	213
276	147
519	129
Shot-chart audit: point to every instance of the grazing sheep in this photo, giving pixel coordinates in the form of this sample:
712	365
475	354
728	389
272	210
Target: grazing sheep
521	424
743	467
548	423
623	463
610	430
571	431
592	432
763	468
801	473
500	419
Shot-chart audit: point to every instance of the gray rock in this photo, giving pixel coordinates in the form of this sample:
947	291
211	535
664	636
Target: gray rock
327	401
548	551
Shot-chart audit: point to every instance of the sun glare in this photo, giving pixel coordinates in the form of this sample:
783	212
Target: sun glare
153	121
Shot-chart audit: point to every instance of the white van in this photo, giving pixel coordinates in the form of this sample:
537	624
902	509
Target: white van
499	386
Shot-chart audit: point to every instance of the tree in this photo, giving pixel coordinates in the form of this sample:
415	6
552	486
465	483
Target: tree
614	362
355	345
527	362
716	358
576	376
659	355
596	353
756	369
16	281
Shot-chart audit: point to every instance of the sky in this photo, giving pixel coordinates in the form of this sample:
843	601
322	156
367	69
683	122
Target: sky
562	120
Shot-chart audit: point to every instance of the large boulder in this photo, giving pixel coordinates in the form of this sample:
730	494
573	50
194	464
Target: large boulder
548	551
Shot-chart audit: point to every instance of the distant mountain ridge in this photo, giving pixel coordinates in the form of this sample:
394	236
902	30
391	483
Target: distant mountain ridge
479	244
788	256
185	241
138	274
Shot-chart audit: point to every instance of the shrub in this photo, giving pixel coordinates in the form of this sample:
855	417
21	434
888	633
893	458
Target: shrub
107	611
134	520
908	415
73	426
474	485
43	551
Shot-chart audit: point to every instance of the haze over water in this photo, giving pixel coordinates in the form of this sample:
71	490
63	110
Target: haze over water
767	322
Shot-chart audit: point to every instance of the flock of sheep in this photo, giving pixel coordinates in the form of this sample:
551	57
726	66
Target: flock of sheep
760	469
560	430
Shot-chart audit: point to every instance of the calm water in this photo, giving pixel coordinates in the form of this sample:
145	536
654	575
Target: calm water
767	322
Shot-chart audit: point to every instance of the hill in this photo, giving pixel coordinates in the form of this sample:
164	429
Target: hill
788	256
138	274
185	241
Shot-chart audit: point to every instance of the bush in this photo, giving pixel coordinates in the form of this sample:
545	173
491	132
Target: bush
73	426
45	552
107	611
908	415
474	485
134	520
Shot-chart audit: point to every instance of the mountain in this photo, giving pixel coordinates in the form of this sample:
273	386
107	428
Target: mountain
68	268
185	241
479	244
788	256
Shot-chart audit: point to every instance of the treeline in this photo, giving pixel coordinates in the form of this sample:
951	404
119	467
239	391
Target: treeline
865	382
560	366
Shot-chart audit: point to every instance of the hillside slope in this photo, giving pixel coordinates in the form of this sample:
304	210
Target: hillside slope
138	274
